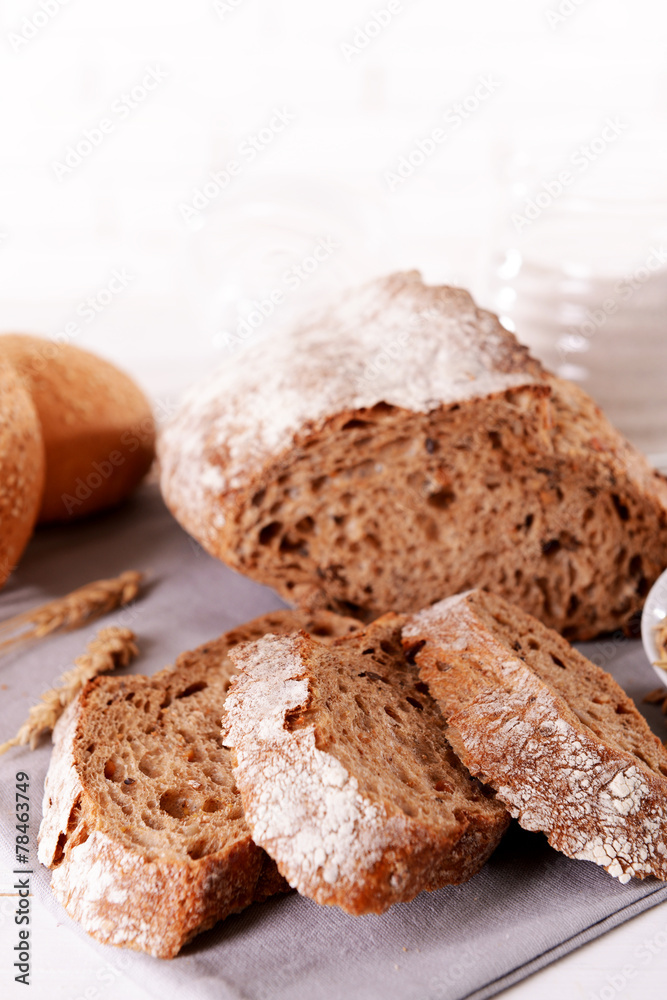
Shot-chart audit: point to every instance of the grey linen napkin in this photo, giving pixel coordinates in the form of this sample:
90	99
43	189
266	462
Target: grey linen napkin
526	908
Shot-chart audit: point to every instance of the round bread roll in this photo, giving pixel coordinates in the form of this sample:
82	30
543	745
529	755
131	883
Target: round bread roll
98	428
21	468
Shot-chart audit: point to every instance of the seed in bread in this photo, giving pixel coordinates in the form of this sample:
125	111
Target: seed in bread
347	779
403	446
21	468
98	427
142	824
554	734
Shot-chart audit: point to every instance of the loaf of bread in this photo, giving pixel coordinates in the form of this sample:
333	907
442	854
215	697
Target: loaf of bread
347	779
21	468
403	446
562	744
142	823
97	425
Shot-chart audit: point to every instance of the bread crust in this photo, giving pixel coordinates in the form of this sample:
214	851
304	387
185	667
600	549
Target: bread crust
492	471
97	425
565	761
158	897
21	468
333	837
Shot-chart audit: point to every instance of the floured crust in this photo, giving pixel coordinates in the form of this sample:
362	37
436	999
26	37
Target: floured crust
144	886
333	836
583	767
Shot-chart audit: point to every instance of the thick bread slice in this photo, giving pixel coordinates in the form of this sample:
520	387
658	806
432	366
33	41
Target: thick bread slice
555	735
403	446
346	775
142	823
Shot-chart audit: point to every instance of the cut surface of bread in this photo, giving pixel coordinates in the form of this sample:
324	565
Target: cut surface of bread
346	775
563	745
142	823
403	446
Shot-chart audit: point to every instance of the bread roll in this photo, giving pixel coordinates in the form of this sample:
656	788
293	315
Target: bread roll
98	428
21	468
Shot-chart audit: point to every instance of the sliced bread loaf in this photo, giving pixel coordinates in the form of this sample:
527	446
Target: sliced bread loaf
142	823
347	779
554	734
403	446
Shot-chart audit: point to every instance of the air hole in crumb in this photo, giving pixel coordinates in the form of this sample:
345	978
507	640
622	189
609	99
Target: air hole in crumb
411	651
443	786
130	696
415	704
269	532
112	770
550	547
197	850
175	804
532	644
621	508
442	499
305	525
392	714
211	806
557	660
149	766
421	687
193	689
623	710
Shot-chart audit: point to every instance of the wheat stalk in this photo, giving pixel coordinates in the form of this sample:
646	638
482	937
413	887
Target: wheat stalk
111	648
79	608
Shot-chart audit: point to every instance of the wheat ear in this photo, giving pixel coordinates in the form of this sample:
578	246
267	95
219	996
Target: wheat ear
64	614
111	648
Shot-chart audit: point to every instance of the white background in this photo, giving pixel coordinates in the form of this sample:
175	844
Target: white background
356	105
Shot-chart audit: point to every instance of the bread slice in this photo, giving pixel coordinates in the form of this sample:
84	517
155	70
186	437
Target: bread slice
403	446
347	779
555	735
142	823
